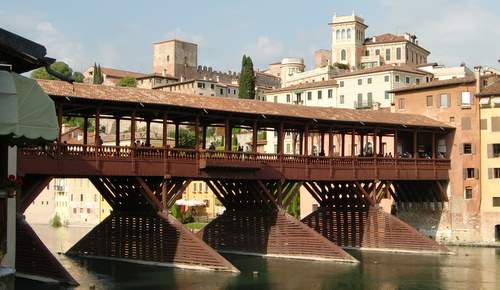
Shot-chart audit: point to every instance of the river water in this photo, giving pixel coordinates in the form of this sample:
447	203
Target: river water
469	269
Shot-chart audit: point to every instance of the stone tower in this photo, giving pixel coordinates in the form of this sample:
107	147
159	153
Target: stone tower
348	35
176	58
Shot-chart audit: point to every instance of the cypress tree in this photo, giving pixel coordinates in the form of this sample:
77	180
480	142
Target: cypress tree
247	79
100	78
95	75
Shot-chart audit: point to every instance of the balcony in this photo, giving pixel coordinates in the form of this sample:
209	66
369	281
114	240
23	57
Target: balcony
365	104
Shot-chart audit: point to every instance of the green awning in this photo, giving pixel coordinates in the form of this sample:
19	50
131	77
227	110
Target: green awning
26	111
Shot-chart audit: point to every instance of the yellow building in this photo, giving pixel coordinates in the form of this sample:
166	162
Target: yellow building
489	99
200	192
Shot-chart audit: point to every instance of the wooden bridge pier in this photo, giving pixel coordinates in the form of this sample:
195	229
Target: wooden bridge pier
141	230
256	223
349	215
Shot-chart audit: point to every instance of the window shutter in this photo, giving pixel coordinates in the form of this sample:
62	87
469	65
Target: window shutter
459	100
473	148
490	150
484	124
465	173
490	173
461	148
476	173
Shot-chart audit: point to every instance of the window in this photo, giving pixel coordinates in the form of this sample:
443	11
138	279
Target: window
398	53
275	99
443	101
429	101
88	210
337	34
466	99
288	98
343	33
343	55
74	210
212	86
407	80
81	197
396	78
341	99
201	85
369	80
221	91
386	95
402	103
493	173
386	79
299	98
468	193
388	54
319	95
370	98
467	148
330	93
288	148
452	119
493	150
466	124
472	173
484	124
377	51
367	52
360	82
348	33
341	84
496	203
309	96
495	124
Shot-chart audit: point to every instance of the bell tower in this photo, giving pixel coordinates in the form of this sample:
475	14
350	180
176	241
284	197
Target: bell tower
348	36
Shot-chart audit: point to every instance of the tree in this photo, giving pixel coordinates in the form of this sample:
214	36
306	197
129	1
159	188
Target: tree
78	77
247	79
58	66
127	82
294	207
341	65
97	75
56	221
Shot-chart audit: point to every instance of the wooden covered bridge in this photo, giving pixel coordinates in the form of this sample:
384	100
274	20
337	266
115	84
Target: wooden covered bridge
141	184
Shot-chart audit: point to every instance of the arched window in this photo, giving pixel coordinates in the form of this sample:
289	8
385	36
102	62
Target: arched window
338	34
348	33
343	33
367	52
343	54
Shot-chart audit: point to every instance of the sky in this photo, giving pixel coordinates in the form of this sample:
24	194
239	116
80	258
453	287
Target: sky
120	34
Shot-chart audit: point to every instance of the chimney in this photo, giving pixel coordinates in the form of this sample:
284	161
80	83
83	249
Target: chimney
477	76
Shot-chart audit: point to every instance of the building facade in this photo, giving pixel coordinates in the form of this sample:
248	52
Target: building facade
110	76
202	88
452	101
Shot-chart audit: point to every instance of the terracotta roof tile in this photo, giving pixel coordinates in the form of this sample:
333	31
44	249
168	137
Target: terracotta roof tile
229	105
120	73
435	84
157	75
491	90
386	37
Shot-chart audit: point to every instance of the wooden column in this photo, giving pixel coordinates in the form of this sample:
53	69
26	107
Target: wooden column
374	147
255	131
395	144
301	143
148	132
322	142
197	133
132	129
177	127
433	145
228	131
380	144
342	141
362	145
165	131
415	144
85	130
97	124
353	143
330	143
60	121
281	138
306	141
117	131
204	137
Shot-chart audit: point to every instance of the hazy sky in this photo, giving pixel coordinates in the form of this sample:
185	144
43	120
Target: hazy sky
120	33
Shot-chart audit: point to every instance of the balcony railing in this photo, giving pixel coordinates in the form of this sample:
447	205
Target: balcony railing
365	104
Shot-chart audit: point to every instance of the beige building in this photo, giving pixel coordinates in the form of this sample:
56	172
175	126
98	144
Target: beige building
111	76
199	192
351	47
155	80
489	102
202	88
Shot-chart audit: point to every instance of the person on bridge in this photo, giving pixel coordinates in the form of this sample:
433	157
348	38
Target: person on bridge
99	141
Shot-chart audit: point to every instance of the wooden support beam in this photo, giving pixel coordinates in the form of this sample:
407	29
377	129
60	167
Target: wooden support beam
148	133
255	131
132	129
85	130
330	143
342	148
415	141
267	193
281	138
177	133
117	131
396	155
217	193
306	141
149	194
97	125
363	191
313	193
204	137
103	190
197	133
228	132
353	143
433	146
178	192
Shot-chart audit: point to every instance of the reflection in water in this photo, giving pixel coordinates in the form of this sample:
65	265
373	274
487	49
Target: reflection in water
471	268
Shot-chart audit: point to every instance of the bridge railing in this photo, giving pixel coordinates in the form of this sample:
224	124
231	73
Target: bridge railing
106	152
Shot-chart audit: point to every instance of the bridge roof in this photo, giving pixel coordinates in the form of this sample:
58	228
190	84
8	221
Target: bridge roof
228	105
